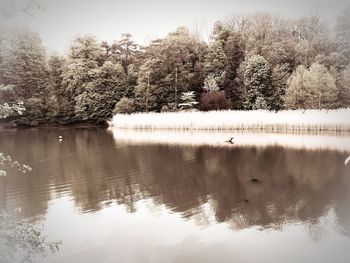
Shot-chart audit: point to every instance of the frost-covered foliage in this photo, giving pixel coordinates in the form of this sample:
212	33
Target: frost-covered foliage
6	161
256	81
297	120
312	88
210	83
188	100
21	240
8	110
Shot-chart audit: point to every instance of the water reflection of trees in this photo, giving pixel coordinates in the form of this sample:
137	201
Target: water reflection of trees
291	184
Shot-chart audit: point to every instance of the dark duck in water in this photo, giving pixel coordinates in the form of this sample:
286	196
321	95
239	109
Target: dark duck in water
230	140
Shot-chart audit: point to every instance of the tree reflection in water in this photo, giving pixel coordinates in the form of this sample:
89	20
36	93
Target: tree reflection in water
292	185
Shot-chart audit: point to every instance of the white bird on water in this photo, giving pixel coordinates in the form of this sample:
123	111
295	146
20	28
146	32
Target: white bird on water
347	160
60	138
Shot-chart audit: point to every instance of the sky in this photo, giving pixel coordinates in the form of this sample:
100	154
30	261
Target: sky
59	21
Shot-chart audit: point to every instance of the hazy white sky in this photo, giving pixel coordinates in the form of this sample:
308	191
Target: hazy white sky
62	20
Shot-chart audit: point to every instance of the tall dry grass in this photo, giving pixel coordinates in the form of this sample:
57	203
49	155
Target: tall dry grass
298	120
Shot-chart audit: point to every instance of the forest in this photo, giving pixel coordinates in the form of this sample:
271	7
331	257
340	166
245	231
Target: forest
251	62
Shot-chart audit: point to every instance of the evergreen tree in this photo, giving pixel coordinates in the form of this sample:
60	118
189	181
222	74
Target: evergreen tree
235	53
188	100
257	82
279	78
127	50
24	65
24	68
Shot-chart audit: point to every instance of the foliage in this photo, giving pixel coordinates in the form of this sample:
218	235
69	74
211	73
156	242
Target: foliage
169	67
8	162
312	88
22	240
257	61
24	66
125	105
343	86
9	110
210	83
188	100
59	105
279	78
101	94
257	82
343	32
214	100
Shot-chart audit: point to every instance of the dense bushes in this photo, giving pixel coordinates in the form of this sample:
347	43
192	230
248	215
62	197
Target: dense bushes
214	100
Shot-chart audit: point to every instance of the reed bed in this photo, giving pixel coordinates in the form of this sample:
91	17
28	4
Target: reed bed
259	120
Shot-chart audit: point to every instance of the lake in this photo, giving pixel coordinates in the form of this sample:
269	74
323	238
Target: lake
137	196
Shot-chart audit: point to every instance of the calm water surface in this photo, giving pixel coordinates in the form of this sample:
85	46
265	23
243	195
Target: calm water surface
111	200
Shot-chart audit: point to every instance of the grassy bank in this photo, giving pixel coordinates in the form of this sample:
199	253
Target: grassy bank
299	120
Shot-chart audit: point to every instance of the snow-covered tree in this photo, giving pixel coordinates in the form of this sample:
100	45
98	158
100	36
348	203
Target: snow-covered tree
279	78
210	83
188	100
257	82
311	89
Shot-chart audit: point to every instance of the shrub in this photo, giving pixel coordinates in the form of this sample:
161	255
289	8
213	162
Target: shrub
125	106
214	100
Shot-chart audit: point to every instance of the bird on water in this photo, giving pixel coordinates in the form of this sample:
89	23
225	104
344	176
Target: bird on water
230	140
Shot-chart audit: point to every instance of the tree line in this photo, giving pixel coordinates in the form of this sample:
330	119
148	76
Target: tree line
251	62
